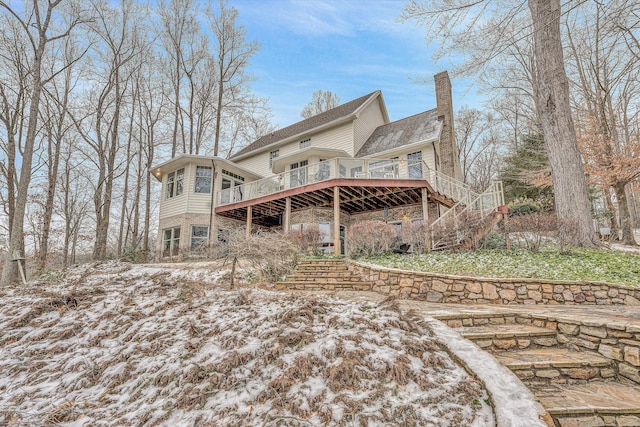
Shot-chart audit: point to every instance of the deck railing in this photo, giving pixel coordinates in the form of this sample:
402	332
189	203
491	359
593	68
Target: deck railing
449	186
314	173
348	168
449	229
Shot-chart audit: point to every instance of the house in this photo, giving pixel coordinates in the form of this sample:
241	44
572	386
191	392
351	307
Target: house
339	167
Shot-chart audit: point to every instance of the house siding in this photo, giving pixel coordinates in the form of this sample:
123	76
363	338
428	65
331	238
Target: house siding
179	204
370	118
339	137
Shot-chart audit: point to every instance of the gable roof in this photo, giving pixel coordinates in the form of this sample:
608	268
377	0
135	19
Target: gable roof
340	112
418	128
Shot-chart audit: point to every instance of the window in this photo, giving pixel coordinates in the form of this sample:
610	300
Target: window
175	182
230	188
225	196
233	175
299	173
199	237
305	143
414	164
171	242
273	155
203	179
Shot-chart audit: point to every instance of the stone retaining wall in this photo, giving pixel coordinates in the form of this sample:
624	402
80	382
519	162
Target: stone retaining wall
617	341
473	290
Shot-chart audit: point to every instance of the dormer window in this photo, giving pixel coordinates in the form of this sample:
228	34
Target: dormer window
305	143
175	182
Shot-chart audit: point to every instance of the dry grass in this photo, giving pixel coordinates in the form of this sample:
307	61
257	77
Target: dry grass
114	346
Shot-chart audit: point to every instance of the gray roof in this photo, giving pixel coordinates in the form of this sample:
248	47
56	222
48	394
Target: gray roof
421	127
318	120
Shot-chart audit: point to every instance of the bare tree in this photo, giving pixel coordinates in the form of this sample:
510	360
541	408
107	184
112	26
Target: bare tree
118	39
36	23
477	29
178	19
606	81
56	127
554	111
472	129
321	101
232	53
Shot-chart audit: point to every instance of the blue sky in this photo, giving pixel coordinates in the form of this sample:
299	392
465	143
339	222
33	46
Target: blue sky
350	47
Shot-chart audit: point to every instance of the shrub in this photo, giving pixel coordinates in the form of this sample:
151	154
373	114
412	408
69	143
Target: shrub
273	255
533	229
309	239
493	240
135	254
417	235
523	208
371	238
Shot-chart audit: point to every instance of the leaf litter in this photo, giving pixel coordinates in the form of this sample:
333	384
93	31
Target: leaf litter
120	344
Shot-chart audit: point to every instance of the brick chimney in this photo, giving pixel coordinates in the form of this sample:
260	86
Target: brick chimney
448	151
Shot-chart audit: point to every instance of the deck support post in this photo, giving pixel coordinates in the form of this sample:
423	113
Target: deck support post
287	215
425	205
249	219
336	220
425	218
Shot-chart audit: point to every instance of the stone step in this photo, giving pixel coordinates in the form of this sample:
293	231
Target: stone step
497	338
324	268
316	262
322	279
592	404
348	286
329	274
556	365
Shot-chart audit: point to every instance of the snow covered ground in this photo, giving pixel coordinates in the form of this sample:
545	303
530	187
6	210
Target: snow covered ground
116	344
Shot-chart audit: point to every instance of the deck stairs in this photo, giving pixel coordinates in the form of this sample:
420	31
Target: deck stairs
577	388
469	220
324	274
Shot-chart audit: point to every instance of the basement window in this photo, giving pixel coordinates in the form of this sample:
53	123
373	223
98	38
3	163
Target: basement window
171	242
199	237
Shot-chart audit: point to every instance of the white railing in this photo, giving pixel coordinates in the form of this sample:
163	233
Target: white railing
318	172
450	226
449	186
349	168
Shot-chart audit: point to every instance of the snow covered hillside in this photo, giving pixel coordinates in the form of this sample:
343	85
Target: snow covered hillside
116	344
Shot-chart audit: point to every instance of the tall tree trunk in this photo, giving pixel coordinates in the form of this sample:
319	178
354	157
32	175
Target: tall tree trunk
216	144
16	236
613	217
554	112
626	227
54	161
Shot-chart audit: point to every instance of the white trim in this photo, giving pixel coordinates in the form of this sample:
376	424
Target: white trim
182	160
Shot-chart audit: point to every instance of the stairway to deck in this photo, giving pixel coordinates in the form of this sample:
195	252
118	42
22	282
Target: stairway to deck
469	220
324	274
466	231
577	388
